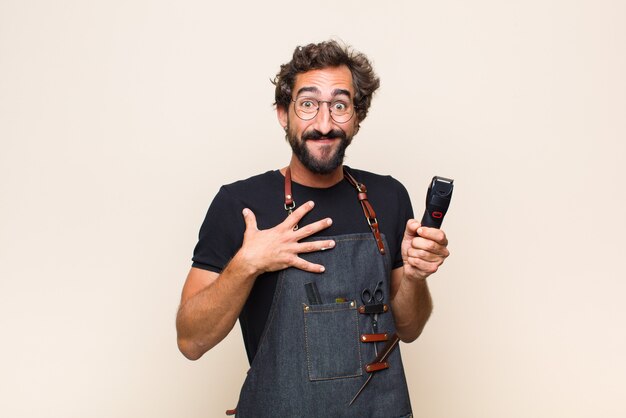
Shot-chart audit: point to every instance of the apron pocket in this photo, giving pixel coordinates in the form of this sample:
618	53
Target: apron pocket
331	336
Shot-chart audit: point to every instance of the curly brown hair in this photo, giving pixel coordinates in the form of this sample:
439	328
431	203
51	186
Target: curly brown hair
323	55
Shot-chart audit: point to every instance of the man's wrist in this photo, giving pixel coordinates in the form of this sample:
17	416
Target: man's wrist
243	266
415	282
418	278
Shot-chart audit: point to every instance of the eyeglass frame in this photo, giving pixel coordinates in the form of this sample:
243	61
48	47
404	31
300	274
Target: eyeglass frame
330	102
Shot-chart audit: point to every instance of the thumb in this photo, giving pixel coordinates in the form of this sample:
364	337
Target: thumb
250	220
411	229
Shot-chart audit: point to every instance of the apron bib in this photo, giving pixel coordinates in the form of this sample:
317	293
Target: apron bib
311	360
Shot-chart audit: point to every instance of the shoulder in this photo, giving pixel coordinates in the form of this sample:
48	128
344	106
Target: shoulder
252	188
266	179
262	193
254	184
233	197
221	233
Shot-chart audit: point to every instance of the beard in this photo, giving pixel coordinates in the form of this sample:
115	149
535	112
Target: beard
331	157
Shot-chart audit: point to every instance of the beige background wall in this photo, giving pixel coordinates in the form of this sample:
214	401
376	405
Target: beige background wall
119	120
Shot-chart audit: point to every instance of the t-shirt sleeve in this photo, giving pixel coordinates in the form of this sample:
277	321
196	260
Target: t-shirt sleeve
405	212
221	233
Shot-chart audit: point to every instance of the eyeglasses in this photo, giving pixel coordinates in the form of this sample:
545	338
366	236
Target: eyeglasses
341	111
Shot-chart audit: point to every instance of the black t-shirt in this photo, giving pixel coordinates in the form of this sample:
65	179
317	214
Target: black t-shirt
221	234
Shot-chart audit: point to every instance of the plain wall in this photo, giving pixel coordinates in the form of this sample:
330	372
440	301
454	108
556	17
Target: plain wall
119	120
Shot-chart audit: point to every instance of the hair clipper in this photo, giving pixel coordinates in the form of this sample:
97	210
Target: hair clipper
437	201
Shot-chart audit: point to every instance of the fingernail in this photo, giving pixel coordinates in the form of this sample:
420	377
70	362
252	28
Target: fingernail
329	221
322	269
419	231
245	212
331	244
311	203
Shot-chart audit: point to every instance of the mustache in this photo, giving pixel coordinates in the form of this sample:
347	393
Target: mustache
332	134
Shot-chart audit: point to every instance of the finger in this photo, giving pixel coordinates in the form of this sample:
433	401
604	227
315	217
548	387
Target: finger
302	264
430	246
410	231
295	217
312	246
424	255
250	220
425	267
310	229
433	234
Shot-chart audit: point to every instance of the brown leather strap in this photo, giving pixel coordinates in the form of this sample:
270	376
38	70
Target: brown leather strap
374	367
290	204
368	210
374	338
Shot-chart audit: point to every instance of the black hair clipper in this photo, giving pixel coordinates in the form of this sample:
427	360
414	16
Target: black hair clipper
437	201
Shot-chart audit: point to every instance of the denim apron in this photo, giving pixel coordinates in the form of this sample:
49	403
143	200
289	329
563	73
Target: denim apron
311	361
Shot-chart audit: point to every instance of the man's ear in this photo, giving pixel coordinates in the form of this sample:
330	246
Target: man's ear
283	116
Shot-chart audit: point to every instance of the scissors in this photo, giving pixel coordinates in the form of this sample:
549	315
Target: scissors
374	297
370	298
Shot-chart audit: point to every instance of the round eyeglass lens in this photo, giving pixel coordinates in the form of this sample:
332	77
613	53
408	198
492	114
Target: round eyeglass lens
307	108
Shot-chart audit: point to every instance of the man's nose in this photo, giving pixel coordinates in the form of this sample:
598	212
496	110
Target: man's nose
323	120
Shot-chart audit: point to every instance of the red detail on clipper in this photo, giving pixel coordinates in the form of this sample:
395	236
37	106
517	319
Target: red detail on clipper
437	215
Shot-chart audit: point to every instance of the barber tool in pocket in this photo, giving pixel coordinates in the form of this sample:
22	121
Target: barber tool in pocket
373	305
312	294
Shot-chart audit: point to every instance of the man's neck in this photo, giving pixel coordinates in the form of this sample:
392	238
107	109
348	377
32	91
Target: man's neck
302	175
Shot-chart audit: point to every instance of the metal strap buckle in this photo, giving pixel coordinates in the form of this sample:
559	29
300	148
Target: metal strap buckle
291	207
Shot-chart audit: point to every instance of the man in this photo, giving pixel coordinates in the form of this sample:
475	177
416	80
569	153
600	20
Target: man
317	279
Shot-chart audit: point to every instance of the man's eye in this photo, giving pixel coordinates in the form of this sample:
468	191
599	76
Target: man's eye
340	106
307	104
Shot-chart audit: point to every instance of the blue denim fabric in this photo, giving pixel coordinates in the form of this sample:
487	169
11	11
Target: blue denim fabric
310	362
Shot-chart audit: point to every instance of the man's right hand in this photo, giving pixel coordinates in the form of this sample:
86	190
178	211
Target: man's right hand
211	303
277	248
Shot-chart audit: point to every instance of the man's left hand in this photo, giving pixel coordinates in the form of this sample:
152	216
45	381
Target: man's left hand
423	250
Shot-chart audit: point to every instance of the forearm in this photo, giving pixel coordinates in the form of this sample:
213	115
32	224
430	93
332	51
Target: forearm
208	316
412	306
